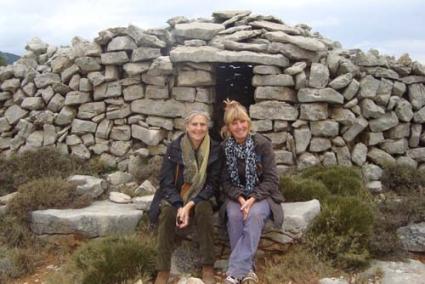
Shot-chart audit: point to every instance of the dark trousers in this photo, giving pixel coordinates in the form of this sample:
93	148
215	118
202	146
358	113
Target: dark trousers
201	222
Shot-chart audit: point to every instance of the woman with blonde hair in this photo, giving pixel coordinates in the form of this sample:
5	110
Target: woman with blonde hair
188	180
250	184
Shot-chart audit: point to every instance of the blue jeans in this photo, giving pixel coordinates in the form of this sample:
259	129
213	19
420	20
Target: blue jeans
245	235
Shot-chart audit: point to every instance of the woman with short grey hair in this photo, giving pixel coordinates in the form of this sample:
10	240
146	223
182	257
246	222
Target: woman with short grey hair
188	180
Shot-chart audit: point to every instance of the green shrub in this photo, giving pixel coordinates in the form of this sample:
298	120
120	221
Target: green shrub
339	180
302	189
298	265
342	231
15	232
45	193
113	260
15	263
402	178
392	213
46	162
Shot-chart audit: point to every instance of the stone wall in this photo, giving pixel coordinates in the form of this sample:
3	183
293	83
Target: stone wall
123	95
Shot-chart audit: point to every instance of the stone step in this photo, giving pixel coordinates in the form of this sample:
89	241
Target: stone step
99	219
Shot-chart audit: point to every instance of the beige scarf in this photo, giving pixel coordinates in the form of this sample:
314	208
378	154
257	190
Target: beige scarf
195	167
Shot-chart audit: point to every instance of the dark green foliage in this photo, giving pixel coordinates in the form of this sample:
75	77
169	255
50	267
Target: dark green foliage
392	213
114	260
2	60
402	178
46	162
15	263
302	189
339	180
342	231
45	193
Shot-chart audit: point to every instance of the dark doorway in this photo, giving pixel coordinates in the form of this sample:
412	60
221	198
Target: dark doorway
233	81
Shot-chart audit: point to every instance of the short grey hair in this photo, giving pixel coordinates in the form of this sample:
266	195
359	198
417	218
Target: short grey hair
194	113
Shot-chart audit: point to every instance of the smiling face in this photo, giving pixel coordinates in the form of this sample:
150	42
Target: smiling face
239	129
197	128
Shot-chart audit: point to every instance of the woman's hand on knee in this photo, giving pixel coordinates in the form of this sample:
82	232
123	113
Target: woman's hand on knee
183	215
247	206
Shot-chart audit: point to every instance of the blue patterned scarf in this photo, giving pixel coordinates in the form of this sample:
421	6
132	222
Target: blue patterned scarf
245	151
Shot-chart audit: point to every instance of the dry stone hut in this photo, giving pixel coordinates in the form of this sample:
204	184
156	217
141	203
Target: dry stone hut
123	95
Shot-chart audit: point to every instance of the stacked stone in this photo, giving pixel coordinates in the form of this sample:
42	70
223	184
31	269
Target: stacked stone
123	96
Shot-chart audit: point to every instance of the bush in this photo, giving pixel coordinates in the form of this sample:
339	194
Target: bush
113	260
339	180
15	263
302	189
342	231
19	169
392	213
15	232
402	178
298	265
45	193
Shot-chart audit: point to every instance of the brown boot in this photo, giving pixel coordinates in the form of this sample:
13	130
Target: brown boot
208	274
162	277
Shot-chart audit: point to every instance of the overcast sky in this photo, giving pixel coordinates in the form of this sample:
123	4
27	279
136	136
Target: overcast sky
393	27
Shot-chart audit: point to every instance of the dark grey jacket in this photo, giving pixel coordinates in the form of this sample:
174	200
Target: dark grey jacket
170	185
268	186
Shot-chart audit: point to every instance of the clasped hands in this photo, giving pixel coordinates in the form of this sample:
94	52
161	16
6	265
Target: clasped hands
246	205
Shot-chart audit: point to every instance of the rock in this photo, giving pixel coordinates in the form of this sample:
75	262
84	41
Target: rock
270	26
359	154
358	126
380	157
148	136
5	199
83	126
416	94
395	146
307	160
169	108
273	110
328	95
14	113
118	197
384	122
88	64
144	39
319	76
413	237
332	281
275	93
343	156
102	218
371	172
121	43
418	154
196	30
89	185
407	161
195	78
296	68
351	90
410	271
118	178
374	186
302	139
313	111
266	70
370	109
293	52
146	187
114	58
404	110
46	79
212	54
298	215
368	87
319	144
303	42
341	81
326	128
273	80
143	202
415	133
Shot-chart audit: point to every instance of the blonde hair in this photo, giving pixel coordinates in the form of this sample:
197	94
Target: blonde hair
194	113
233	110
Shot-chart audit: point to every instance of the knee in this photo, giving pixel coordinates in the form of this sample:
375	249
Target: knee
168	214
203	208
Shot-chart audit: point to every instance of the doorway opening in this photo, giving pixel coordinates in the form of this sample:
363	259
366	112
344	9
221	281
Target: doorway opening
234	82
